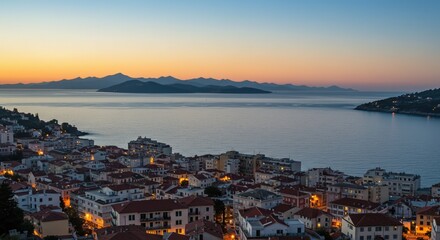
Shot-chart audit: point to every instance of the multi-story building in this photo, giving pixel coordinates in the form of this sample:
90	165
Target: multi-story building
280	164
163	216
399	184
201	180
6	135
344	206
370	226
50	223
257	223
435	190
346	190
248	163
232	166
143	146
31	200
314	218
322	177
295	197
425	217
256	198
435	232
94	206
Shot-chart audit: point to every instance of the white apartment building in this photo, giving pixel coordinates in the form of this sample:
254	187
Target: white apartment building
162	216
6	135
261	223
435	232
31	200
201	180
95	205
399	184
256	198
369	226
232	166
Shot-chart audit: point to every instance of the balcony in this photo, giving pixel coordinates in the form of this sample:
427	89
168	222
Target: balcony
157	218
158	227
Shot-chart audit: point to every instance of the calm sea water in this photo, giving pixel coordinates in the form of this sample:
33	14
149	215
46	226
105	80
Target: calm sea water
320	131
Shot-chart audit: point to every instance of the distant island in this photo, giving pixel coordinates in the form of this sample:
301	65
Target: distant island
426	103
136	86
119	78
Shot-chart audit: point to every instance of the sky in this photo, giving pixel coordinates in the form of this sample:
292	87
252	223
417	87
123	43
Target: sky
366	45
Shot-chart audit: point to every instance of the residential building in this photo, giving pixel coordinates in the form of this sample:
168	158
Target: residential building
344	206
399	184
314	218
143	146
50	223
257	223
322	177
424	218
204	230
256	198
435	190
31	200
201	180
435	232
295	197
95	205
370	226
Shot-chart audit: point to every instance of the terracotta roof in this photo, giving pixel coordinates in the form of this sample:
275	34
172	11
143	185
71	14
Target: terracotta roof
373	219
357	203
193	201
49	216
175	236
121	187
310	212
292	192
271	219
431	211
201	226
147	206
254	212
280	208
131	232
122	175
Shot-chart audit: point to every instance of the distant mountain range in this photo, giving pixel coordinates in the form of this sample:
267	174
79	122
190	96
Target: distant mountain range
426	103
108	81
137	86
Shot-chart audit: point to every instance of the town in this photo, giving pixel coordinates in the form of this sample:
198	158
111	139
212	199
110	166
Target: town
56	184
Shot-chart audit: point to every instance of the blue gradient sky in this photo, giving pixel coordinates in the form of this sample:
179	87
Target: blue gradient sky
369	45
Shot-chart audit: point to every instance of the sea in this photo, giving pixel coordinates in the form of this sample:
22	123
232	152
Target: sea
320	130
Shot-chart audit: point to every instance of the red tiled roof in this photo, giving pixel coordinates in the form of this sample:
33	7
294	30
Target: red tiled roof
357	203
147	206
49	216
193	201
255	211
175	236
201	226
373	219
310	212
431	211
280	208
292	192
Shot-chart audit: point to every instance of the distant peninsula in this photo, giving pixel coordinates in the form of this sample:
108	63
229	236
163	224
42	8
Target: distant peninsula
426	103
119	78
137	86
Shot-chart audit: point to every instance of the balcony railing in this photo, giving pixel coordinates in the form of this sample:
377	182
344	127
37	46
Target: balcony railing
147	219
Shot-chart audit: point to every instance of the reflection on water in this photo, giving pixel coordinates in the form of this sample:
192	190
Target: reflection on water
320	131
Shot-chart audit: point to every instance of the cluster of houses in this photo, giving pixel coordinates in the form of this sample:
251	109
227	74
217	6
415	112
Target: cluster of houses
148	192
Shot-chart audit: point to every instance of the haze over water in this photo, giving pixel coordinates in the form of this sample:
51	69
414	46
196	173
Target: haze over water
319	131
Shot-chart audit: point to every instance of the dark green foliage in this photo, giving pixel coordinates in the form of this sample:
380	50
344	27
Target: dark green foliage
62	205
324	233
220	209
11	217
50	238
75	220
27	226
184	183
212	191
421	103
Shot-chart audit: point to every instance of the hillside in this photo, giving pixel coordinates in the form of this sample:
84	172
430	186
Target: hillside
108	81
137	86
426	103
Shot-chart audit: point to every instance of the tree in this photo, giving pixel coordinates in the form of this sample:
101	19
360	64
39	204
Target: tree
27	226
212	191
75	220
11	217
220	209
62	204
184	183
324	233
50	238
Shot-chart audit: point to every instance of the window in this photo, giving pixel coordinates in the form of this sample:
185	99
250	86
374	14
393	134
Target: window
279	231
387	237
143	216
299	230
131	217
369	229
207	209
362	229
178	222
378	228
257	233
387	228
178	213
394	236
361	238
369	237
